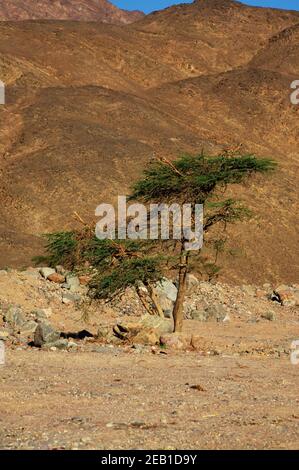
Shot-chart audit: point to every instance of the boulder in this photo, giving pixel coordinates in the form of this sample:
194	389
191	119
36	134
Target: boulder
46	272
147	330
45	333
41	313
192	283
58	344
60	270
177	341
72	283
14	317
69	297
166	293
84	280
211	313
28	328
161	325
57	278
148	337
31	273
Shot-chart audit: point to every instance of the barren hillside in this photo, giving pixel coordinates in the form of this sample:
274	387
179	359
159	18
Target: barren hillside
88	104
76	10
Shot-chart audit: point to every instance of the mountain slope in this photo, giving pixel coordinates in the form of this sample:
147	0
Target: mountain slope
88	105
83	10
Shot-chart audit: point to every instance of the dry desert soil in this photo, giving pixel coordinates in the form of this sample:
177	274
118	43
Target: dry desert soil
126	400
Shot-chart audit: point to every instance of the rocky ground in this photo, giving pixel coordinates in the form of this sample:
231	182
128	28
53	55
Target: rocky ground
107	375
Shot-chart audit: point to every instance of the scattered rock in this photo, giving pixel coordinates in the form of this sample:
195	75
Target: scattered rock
198	387
166	293
72	283
161	325
103	332
46	272
60	270
57	278
211	313
268	316
14	316
147	330
148	337
31	273
288	296
45	333
41	313
177	341
58	344
192	283
28	328
69	297
84	280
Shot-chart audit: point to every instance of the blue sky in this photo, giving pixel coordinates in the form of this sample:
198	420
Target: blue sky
149	5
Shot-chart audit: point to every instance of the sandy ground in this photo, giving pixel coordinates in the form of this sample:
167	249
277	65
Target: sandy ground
124	399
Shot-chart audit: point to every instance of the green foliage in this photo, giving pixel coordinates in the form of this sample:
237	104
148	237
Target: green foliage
60	248
225	211
195	178
117	264
127	273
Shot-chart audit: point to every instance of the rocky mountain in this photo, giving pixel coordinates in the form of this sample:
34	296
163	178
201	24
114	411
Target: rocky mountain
89	103
73	10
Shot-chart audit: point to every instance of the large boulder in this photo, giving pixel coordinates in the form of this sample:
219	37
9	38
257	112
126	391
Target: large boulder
216	312
14	316
146	330
166	293
28	328
45	333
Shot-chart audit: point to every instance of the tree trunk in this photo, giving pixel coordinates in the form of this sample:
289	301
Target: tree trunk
178	311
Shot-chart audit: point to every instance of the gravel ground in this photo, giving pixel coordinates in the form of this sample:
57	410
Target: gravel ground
125	399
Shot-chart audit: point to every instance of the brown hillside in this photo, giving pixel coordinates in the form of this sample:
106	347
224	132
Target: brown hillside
76	10
281	52
88	104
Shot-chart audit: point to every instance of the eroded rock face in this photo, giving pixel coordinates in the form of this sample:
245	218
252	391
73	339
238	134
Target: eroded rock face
75	10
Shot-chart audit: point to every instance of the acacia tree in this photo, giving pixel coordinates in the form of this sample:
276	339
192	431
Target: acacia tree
116	264
198	180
